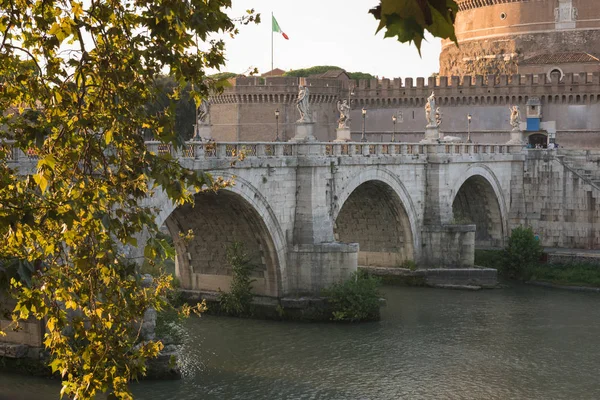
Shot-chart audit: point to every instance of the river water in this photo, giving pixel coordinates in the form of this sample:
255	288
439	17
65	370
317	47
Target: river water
520	342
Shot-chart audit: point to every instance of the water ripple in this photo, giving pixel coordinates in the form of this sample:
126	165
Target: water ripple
516	343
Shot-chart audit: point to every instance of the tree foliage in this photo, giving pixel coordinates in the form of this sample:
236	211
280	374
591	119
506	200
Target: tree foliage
360	75
320	69
75	81
238	301
184	107
224	75
305	72
356	300
407	20
522	252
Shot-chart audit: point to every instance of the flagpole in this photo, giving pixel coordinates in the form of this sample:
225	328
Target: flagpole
271	40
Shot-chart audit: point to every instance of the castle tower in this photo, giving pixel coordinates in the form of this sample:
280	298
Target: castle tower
524	36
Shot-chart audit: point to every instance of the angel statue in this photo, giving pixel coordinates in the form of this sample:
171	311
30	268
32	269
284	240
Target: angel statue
344	110
438	117
204	113
429	111
515	117
303	105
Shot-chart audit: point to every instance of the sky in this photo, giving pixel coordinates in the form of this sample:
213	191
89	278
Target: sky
324	32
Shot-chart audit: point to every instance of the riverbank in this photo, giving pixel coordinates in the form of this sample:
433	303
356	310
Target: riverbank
555	269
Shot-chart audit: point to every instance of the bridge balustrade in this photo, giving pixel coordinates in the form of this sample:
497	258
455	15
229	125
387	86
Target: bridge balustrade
211	150
15	154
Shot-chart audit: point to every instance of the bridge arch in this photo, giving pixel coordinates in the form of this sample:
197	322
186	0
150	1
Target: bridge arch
236	214
375	210
478	199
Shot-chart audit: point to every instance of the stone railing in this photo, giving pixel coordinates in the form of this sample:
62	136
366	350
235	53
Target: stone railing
17	155
287	149
224	150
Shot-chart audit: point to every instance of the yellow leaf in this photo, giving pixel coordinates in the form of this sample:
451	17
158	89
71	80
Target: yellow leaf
54	29
49	249
108	136
77	9
71	304
41	180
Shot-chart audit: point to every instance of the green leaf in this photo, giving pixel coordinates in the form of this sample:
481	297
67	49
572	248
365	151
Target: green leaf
407	20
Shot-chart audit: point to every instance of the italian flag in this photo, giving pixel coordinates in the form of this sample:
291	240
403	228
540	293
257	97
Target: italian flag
276	28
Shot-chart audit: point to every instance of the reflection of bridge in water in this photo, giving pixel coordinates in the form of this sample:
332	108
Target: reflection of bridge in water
309	213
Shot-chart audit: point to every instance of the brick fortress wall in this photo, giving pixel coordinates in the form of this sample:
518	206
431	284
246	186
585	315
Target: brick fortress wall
245	111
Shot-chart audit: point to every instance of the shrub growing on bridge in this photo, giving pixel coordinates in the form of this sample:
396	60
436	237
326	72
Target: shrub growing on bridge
357	299
238	302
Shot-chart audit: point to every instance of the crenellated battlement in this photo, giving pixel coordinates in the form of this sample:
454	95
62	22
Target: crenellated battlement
480	90
279	89
579	88
480	81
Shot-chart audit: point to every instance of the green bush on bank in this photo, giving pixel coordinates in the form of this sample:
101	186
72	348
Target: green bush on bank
521	260
522	253
357	299
409	264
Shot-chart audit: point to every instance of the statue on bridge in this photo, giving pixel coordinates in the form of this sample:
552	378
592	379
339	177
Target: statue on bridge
515	118
204	113
438	117
344	110
202	129
303	105
430	109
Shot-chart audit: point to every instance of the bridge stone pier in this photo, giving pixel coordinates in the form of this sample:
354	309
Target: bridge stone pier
310	213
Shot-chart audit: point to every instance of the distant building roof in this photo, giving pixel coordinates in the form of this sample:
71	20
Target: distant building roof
275	72
332	74
562	58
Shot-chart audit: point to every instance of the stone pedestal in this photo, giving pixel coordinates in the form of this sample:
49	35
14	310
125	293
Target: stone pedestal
315	267
343	135
304	132
432	134
448	246
203	132
516	137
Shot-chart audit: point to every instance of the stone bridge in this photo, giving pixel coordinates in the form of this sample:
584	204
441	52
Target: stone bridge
310	213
